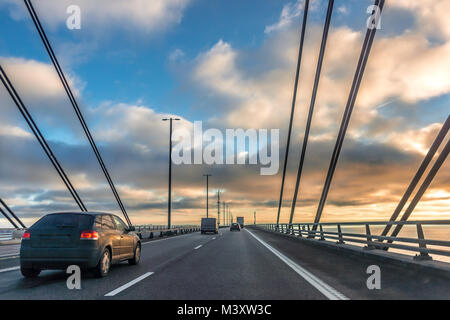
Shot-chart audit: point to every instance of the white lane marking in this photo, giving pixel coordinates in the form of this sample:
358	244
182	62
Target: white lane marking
214	238
198	247
325	289
10	269
129	284
10	255
175	237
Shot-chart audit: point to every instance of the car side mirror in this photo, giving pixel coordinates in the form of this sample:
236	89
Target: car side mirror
131	228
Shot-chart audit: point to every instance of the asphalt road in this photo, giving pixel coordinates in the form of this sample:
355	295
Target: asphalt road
251	264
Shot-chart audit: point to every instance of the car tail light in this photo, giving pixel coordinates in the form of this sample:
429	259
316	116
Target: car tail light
89	235
26	235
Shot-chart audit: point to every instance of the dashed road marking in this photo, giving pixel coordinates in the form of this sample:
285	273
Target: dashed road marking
198	247
174	237
10	255
10	269
129	284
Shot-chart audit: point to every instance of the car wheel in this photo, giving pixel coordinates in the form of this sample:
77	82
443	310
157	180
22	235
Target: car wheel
30	272
137	255
104	264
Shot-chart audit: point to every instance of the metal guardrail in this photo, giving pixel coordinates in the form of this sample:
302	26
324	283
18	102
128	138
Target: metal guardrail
6	235
152	231
371	241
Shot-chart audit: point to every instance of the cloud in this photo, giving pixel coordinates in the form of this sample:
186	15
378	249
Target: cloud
429	16
176	55
41	91
384	146
288	14
343	10
405	70
419	140
148	16
410	71
6	130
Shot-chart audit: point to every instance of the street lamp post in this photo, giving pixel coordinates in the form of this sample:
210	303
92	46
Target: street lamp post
218	207
207	181
169	207
224	207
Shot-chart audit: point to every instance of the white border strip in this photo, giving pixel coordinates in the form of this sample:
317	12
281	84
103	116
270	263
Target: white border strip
10	269
325	289
129	284
9	255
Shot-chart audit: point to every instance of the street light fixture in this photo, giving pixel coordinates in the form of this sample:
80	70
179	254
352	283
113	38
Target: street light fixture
169	209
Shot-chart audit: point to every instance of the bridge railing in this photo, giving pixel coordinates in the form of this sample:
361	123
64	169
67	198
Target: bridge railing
334	232
6	235
152	231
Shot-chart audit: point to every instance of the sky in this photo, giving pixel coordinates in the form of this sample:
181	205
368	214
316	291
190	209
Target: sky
230	64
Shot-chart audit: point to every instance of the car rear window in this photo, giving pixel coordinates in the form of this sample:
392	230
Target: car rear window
67	220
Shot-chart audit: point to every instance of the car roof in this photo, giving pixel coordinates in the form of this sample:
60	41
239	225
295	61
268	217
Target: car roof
92	213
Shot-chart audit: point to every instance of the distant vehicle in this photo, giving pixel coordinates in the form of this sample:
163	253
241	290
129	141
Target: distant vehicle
235	227
208	225
90	240
240	220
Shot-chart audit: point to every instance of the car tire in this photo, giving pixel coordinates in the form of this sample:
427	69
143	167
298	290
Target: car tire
104	265
137	255
30	272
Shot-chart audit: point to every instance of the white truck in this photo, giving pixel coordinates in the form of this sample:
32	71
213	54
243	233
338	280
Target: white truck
208	225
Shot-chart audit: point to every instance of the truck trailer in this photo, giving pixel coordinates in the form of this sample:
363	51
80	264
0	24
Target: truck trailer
208	225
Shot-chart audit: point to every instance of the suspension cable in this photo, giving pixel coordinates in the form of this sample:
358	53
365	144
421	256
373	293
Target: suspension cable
8	218
74	103
294	98
37	133
12	213
312	103
440	160
430	154
365	51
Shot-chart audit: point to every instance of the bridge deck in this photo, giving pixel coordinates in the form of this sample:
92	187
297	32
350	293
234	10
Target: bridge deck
231	265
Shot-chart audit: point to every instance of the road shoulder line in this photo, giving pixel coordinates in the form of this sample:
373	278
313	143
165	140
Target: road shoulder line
324	288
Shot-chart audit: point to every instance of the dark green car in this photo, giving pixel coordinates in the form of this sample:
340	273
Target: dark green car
90	240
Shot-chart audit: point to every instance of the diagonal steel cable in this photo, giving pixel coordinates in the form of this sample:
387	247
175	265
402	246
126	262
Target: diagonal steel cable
365	51
74	103
294	98
311	106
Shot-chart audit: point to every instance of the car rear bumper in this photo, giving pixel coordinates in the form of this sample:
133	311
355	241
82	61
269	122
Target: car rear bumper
45	263
58	258
209	230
